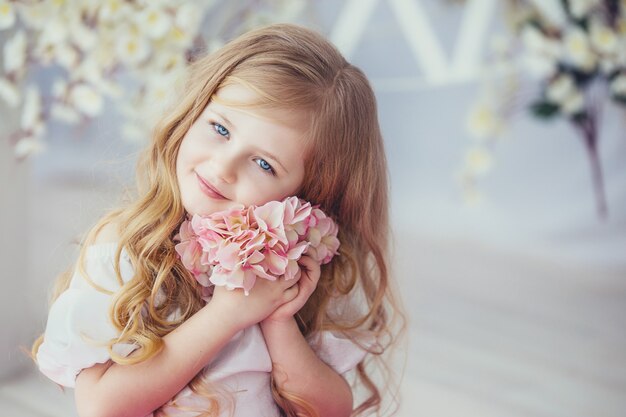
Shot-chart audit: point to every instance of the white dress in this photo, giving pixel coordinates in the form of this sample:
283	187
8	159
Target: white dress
78	323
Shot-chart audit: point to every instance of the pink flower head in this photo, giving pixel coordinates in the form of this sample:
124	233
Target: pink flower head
190	252
233	248
322	235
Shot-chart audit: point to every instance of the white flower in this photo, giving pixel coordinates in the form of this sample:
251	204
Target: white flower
88	70
154	21
64	113
580	8
109	88
15	52
35	15
563	91
483	121
608	64
55	31
539	66
603	38
31	113
114	10
132	49
573	104
87	100
159	93
542	53
551	11
104	55
535	41
560	89
179	37
7	15
66	56
84	37
578	49
478	160
160	90
618	85
9	93
189	17
27	146
168	61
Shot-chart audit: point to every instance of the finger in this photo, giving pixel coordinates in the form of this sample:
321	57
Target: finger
308	285
292	281
311	267
305	289
291	293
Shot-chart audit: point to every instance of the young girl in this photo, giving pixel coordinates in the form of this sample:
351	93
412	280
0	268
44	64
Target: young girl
276	112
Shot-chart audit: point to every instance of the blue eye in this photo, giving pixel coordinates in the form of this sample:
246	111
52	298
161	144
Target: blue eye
221	130
265	166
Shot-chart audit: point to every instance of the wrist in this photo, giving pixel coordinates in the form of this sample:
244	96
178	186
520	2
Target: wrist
229	320
278	322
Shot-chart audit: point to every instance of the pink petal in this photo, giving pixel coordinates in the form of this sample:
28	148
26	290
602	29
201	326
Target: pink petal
292	270
275	263
314	236
203	279
228	255
261	273
270	215
297	251
255	258
248	281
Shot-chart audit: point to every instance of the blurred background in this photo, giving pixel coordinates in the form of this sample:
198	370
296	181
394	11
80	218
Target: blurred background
504	129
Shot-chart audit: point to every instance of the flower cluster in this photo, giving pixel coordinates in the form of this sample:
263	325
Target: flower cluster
233	248
132	52
576	49
568	47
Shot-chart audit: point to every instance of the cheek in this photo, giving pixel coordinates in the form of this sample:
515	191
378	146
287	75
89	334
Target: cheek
256	192
190	152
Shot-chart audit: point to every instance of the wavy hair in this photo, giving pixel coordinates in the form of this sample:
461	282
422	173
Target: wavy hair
345	173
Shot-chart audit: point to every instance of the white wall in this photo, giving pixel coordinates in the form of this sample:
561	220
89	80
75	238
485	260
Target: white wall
18	322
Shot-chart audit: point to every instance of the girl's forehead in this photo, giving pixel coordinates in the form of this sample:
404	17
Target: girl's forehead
239	98
236	93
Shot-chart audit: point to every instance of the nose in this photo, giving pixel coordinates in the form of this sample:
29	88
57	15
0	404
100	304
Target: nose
224	168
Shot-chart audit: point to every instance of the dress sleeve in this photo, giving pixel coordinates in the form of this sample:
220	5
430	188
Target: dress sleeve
78	326
340	353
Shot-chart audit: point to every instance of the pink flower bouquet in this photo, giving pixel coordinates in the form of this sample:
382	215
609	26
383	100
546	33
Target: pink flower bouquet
233	248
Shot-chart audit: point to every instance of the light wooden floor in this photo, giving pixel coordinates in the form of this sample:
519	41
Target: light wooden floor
494	334
491	334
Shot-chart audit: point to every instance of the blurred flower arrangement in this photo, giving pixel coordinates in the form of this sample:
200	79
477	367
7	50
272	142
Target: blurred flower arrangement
576	49
132	52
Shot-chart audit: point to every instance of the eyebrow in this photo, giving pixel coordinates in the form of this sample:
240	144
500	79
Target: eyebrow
266	153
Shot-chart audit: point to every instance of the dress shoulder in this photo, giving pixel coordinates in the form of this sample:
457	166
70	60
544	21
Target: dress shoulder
338	350
78	326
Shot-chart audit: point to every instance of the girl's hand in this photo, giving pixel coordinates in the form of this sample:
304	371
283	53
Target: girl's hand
242	310
307	281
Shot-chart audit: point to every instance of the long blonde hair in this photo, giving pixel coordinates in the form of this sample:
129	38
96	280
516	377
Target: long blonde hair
345	173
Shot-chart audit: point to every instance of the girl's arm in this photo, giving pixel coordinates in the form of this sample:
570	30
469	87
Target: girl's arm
116	390
296	367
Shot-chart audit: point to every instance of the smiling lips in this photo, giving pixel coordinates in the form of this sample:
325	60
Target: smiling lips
208	189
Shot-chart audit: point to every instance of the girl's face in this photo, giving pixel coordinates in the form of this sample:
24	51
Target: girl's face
235	156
